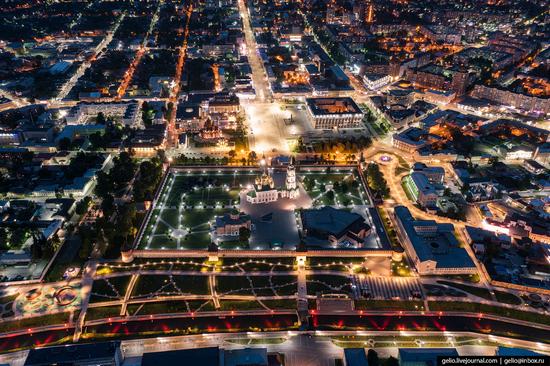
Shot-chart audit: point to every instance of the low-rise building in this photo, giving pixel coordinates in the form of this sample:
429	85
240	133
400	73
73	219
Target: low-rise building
329	113
435	174
98	353
338	227
424	356
355	357
533	167
375	81
411	140
188	117
230	223
432	247
421	189
128	112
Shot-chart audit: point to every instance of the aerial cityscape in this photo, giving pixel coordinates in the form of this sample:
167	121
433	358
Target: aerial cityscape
274	183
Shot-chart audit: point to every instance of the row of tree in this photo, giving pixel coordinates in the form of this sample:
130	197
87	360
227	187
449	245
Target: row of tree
376	181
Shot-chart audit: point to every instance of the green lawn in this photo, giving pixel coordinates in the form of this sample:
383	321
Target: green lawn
166	307
351	196
328	284
240	285
388	305
251	265
36	321
333	263
102	312
175	264
507	298
490	309
158	285
109	289
170	216
477	291
196	189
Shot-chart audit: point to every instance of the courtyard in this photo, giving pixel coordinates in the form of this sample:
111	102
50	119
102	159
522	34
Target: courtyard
185	212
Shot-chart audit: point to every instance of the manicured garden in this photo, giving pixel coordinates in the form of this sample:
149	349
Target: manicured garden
328	284
490	309
335	188
148	286
109	289
188	205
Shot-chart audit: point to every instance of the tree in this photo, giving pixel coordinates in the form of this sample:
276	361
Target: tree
82	205
252	156
87	236
18	237
107	205
101	120
330	195
150	174
97	141
161	155
372	358
52	245
309	183
104	185
64	144
244	234
4	239
38	243
391	361
232	154
147	114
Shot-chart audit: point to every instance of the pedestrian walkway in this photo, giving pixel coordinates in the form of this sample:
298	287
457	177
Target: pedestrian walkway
386	288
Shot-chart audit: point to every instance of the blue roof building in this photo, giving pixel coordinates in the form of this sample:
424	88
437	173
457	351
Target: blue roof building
355	357
195	356
515	352
432	246
424	356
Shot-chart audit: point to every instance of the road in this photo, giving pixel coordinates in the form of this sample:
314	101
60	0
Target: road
322	325
259	75
172	139
68	86
267	131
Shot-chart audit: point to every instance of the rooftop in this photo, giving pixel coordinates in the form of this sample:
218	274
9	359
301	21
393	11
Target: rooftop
69	354
331	221
433	241
324	106
424	356
197	356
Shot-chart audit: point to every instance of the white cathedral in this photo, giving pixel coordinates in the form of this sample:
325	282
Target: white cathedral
264	190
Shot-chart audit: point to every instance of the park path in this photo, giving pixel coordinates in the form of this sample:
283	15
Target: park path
302	288
129	290
212	285
87	282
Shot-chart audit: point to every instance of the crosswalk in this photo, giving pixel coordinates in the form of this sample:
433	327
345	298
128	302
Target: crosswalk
387	288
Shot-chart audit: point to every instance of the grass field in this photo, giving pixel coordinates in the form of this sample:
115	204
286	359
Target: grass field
166	307
258	285
328	284
109	289
102	312
477	291
162	285
353	193
191	202
490	309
